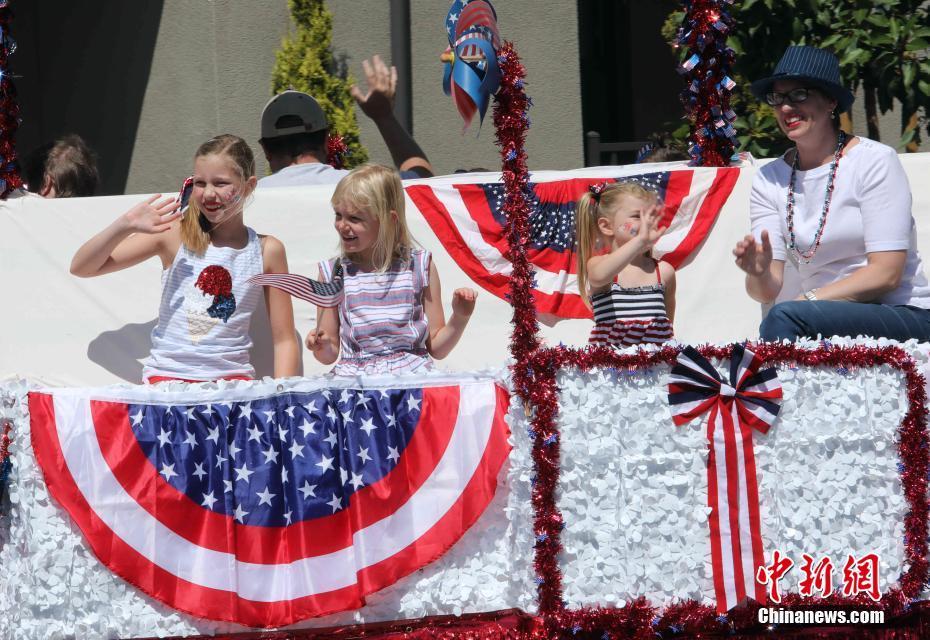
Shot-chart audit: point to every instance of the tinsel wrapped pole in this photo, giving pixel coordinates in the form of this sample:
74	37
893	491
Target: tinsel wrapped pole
705	67
511	123
9	109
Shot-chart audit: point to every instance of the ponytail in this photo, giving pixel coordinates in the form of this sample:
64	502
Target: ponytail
585	236
195	230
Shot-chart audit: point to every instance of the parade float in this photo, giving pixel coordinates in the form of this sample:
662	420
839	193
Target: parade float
552	490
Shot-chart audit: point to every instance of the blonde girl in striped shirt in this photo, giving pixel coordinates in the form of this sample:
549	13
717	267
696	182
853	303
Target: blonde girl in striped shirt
632	294
208	256
391	318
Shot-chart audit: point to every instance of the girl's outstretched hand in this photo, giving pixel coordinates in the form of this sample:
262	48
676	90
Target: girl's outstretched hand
463	301
649	229
316	339
752	257
151	216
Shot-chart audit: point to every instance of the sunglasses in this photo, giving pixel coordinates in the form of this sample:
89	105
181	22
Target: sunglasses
795	96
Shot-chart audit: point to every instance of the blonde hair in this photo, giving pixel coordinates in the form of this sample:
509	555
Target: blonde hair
589	210
195	228
377	189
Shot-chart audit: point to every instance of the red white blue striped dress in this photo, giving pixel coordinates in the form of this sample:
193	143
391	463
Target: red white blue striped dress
382	325
626	317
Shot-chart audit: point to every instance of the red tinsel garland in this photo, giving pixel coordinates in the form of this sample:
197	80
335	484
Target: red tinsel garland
9	109
511	123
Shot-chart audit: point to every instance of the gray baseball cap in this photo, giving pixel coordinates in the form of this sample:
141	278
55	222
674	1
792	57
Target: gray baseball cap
292	112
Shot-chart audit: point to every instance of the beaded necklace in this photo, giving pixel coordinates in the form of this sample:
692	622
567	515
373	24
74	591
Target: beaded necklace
806	255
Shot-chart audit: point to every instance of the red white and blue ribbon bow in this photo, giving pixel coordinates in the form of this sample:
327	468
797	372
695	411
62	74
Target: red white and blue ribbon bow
748	400
471	75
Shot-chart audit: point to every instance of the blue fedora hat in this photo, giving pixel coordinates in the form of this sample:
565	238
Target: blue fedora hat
817	67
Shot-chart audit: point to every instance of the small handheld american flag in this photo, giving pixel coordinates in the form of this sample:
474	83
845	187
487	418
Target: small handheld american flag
322	294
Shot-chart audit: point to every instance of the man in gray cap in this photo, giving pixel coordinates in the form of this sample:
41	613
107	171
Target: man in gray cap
294	132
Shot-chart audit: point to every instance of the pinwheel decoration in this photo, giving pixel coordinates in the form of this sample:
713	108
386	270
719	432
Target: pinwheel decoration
471	73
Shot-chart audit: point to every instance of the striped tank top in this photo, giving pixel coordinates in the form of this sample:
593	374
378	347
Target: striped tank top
382	325
204	315
627	317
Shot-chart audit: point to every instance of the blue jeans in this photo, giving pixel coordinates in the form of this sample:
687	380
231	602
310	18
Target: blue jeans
808	319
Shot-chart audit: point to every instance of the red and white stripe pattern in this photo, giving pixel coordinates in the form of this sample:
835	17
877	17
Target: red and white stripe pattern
466	218
631	333
216	566
747	401
322	294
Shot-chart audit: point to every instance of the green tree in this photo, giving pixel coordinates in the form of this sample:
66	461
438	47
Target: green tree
306	62
883	45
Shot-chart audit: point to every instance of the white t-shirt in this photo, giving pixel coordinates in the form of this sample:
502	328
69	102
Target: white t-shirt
302	175
870	211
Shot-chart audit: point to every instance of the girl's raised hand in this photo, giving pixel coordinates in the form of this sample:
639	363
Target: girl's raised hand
649	229
152	215
463	301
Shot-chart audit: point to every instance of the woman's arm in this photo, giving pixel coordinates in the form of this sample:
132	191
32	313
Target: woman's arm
668	278
879	276
280	312
762	255
323	339
884	199
135	236
764	275
442	336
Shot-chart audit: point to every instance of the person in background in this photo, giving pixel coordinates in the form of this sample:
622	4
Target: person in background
65	168
662	148
294	132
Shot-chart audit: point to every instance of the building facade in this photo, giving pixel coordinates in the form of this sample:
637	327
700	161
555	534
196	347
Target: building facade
146	82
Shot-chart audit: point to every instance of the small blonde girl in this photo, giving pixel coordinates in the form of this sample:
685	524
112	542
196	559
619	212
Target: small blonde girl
391	318
632	294
208	257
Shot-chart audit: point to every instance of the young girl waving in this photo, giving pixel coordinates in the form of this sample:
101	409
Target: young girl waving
631	293
390	319
207	257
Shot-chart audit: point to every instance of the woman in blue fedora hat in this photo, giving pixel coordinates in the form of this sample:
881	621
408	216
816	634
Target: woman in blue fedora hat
833	242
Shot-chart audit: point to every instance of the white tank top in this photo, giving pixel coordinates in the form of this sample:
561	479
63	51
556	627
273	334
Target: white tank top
206	307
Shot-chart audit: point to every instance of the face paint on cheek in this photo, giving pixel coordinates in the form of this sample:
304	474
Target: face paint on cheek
233	199
629	228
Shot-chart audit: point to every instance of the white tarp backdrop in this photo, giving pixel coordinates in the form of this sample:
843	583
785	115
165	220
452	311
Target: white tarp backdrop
71	332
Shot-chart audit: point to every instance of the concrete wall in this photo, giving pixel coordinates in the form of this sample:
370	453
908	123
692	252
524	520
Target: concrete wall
210	74
547	41
146	82
87	72
358	35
